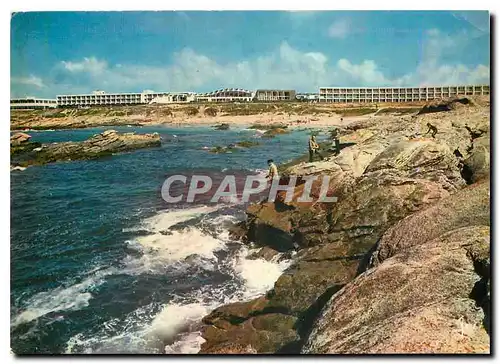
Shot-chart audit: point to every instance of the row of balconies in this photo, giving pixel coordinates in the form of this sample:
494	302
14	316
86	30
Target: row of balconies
405	90
422	94
100	100
103	100
75	102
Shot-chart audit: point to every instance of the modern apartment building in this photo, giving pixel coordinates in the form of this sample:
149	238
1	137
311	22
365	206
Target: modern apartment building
32	103
174	98
310	97
226	95
275	95
102	98
397	94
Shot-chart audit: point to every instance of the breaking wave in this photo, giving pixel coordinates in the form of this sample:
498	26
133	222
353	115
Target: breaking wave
173	327
66	298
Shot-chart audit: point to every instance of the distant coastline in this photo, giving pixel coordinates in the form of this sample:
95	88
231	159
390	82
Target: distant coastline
293	114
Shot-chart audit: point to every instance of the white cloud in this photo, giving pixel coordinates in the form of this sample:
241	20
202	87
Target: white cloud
367	72
286	67
91	64
430	70
340	28
31	80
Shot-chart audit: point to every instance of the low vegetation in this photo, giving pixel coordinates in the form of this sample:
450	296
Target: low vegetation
210	111
399	110
191	111
358	111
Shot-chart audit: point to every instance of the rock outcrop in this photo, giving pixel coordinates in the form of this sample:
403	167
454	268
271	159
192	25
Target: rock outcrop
446	104
271	133
99	145
222	126
404	250
477	165
428	289
19	138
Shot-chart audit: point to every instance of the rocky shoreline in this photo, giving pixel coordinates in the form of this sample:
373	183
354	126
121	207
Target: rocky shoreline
298	114
400	264
24	153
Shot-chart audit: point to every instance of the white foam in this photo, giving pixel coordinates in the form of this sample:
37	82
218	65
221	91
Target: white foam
72	298
257	131
125	335
166	219
176	318
17	168
160	251
188	343
167	247
259	275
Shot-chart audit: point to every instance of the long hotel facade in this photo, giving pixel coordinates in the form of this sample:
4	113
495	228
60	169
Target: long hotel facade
101	98
397	94
326	94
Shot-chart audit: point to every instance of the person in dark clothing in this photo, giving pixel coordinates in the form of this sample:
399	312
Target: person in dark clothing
334	135
432	129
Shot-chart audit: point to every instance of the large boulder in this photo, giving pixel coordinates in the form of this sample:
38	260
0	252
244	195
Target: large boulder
446	104
19	138
477	165
297	290
266	333
421	158
429	272
378	200
354	160
469	206
421	300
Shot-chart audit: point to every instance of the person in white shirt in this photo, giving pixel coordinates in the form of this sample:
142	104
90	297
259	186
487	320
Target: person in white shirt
273	170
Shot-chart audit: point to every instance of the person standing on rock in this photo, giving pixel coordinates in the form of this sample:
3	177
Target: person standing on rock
334	135
273	170
431	129
313	148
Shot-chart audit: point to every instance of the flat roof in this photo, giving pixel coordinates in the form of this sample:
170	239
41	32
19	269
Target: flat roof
31	98
349	87
128	93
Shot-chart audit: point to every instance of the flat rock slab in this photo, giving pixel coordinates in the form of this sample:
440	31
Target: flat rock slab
99	145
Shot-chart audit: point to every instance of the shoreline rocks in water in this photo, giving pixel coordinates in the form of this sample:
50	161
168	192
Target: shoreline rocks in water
222	126
231	147
100	145
399	264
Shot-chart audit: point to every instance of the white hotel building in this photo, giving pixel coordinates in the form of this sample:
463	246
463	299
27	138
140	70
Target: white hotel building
397	94
100	98
32	103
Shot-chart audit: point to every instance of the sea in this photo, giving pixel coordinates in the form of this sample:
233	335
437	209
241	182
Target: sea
100	263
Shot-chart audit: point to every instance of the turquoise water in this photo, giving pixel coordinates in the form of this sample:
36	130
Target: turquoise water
101	264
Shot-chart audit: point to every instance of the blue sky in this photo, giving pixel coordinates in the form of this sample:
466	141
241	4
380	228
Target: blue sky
77	52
